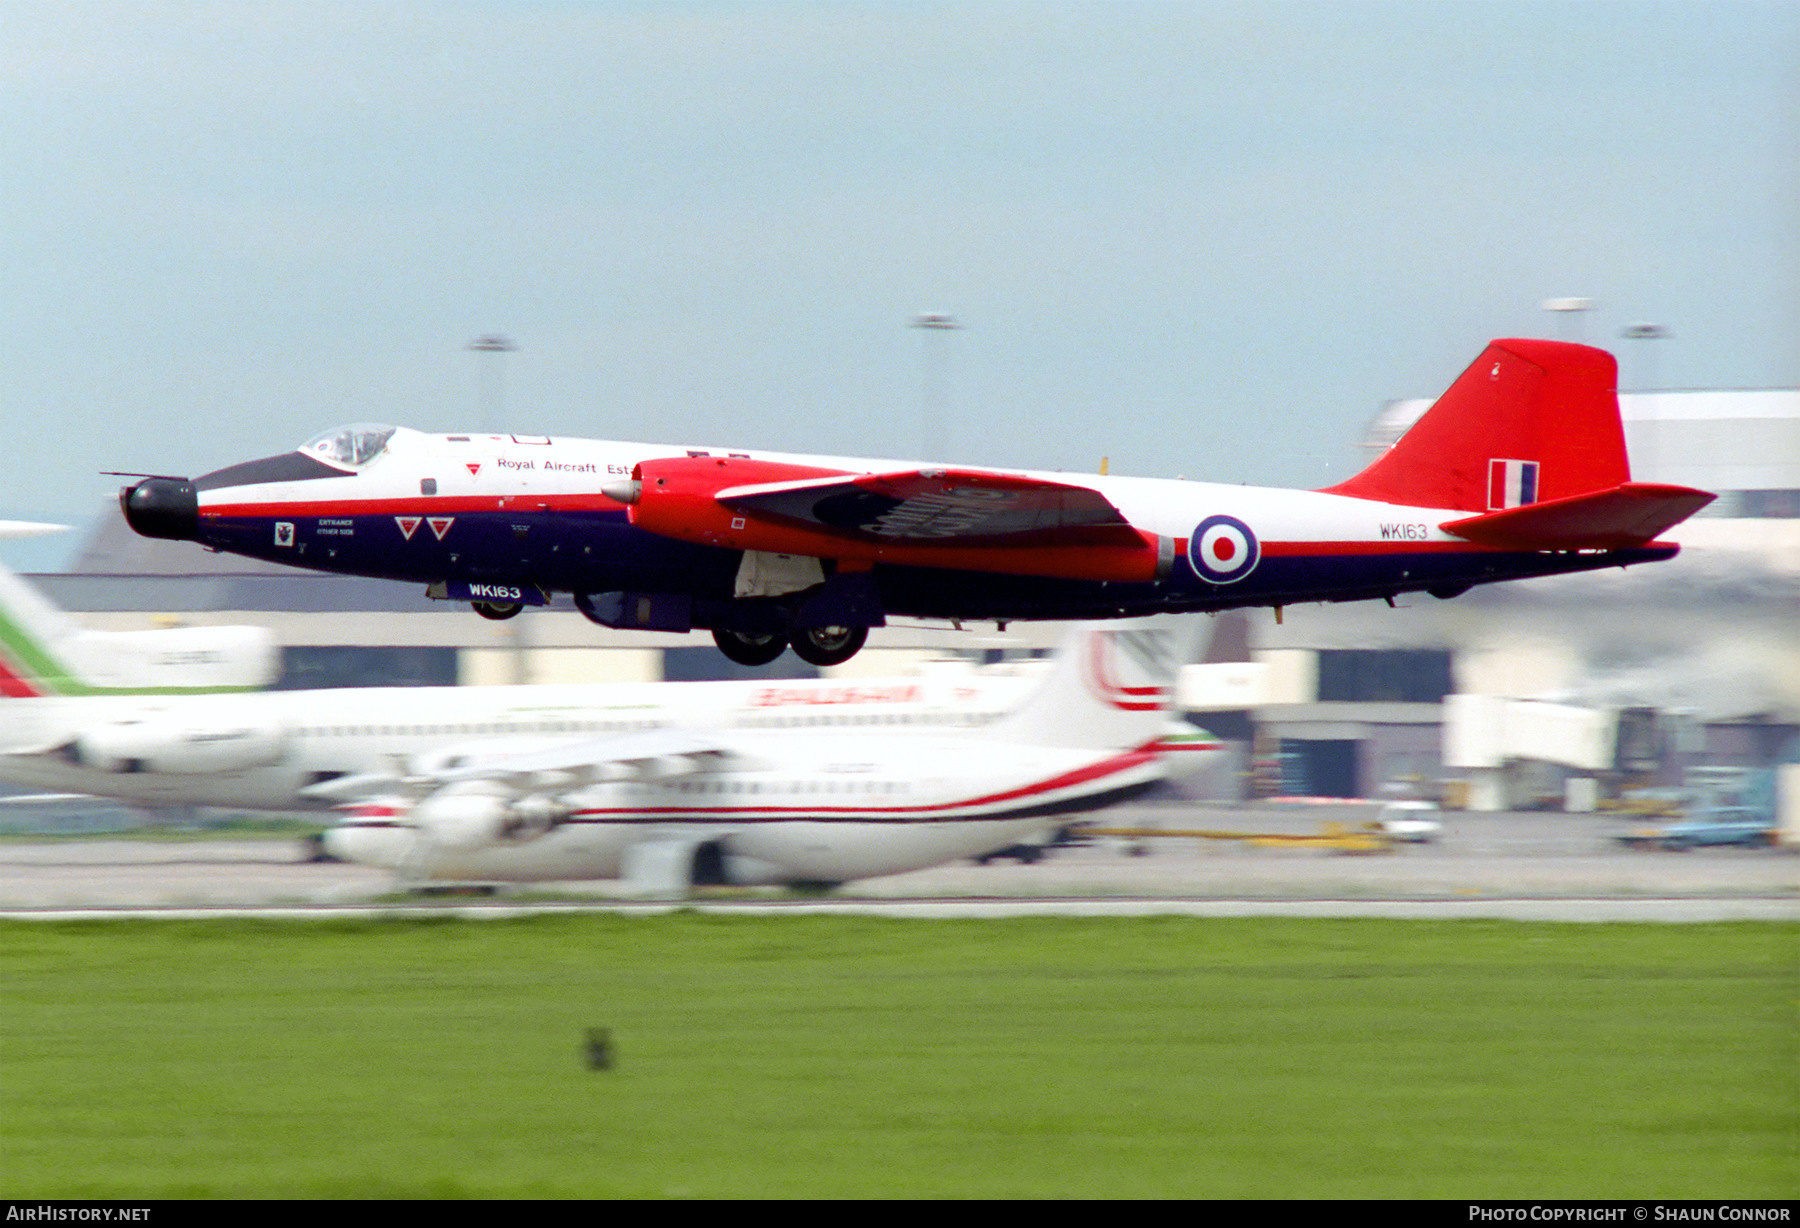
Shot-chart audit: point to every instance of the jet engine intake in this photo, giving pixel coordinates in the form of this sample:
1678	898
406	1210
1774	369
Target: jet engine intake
472	814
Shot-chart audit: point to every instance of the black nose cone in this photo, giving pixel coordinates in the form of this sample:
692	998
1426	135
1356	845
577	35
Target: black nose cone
162	507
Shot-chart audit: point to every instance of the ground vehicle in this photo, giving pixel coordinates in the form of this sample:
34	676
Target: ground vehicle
1409	822
1727	825
1736	806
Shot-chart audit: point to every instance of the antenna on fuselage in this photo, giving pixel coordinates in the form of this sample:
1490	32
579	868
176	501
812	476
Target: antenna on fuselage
931	409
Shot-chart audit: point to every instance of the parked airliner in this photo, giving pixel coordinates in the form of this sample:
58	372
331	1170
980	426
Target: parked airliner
168	719
672	809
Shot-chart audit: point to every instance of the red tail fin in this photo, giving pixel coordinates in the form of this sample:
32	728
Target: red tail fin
1530	421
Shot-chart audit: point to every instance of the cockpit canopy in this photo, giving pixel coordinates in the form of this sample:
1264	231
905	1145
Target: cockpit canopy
351	446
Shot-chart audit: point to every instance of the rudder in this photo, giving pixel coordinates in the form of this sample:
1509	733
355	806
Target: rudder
35	636
1528	422
43	652
1111	685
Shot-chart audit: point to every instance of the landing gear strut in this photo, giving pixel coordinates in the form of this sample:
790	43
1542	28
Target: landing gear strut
828	645
750	647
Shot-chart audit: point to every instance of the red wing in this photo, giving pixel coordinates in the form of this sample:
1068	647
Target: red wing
941	506
966	520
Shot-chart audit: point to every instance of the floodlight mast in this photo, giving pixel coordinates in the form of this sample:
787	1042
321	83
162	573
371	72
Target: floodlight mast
932	411
493	386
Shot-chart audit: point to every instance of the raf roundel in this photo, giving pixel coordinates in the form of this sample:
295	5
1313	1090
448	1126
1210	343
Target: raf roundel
1223	550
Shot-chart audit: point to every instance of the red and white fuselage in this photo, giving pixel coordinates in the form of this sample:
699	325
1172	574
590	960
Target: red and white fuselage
1518	470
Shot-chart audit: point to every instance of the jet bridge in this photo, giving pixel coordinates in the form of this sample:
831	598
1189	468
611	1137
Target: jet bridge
1492	739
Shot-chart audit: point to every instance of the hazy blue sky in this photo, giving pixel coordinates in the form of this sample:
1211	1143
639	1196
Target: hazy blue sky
1203	239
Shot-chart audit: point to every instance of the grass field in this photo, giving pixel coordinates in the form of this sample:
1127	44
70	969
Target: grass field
827	1056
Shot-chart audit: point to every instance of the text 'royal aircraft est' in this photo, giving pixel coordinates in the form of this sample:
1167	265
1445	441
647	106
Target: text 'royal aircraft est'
1518	470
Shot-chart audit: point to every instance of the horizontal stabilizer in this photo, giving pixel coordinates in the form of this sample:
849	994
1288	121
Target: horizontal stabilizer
1627	515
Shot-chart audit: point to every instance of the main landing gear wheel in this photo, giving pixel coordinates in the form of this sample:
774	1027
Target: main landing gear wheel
499	611
828	645
748	647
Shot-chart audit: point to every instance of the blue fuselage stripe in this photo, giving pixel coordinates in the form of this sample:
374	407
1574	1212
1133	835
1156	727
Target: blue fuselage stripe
599	551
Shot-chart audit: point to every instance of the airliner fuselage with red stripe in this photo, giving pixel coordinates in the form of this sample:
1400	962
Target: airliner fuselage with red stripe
1518	471
848	806
779	806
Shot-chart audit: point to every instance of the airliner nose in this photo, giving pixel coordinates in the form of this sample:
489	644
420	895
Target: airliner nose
162	507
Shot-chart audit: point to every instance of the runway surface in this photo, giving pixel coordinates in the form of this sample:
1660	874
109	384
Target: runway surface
1525	866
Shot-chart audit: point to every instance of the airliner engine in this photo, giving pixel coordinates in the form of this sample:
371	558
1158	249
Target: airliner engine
153	745
472	813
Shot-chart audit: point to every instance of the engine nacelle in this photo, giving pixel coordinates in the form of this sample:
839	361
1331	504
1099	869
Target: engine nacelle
177	748
471	814
680	497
